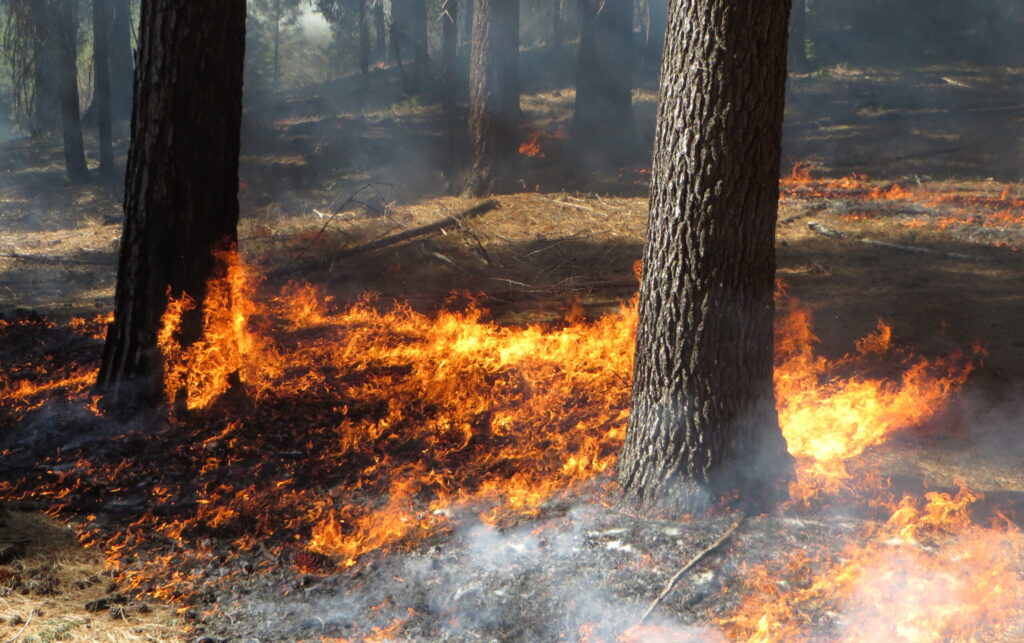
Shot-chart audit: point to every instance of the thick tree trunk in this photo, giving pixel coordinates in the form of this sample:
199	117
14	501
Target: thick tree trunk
602	124
101	71
493	97
380	47
364	44
798	36
70	116
703	420
122	60
181	200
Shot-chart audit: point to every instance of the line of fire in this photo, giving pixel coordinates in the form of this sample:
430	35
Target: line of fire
519	321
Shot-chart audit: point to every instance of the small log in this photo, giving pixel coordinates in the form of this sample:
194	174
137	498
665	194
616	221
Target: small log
448	222
830	232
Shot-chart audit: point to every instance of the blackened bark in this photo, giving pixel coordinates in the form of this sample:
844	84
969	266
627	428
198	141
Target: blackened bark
798	36
101	70
122	60
70	116
703	420
380	48
181	200
602	124
493	97
364	44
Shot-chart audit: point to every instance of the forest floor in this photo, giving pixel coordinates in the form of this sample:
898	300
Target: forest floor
936	164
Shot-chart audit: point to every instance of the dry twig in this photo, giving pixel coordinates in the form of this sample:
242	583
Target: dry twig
28	621
688	566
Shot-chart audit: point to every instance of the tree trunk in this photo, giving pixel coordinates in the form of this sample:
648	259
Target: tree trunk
46	104
181	200
657	16
493	103
70	116
449	60
399	40
122	60
557	37
421	53
798	36
101	70
378	29
277	43
364	44
602	125
703	420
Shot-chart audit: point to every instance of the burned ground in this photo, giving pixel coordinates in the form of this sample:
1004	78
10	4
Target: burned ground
940	153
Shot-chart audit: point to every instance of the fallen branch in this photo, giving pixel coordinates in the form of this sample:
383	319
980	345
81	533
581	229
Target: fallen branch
448	222
830	232
688	566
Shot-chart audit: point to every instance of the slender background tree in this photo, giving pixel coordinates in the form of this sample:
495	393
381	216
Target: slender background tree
493	96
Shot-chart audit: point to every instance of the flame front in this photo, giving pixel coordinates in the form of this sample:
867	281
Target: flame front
426	418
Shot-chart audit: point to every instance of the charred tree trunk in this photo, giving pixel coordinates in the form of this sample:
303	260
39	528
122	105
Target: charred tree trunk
798	37
449	61
602	124
101	71
181	202
364	44
703	420
122	61
380	47
70	115
493	98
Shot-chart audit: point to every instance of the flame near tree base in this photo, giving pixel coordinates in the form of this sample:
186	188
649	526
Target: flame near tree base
428	418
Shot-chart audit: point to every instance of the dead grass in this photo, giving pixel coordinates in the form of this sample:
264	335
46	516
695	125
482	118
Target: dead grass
49	580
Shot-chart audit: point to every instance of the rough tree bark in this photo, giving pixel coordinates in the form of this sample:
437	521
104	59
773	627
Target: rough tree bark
122	60
493	97
101	71
602	129
703	420
70	116
181	200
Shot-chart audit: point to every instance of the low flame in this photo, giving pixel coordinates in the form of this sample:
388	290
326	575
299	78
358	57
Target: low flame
410	420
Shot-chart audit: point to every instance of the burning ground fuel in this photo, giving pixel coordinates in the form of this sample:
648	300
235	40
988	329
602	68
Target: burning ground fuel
370	445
